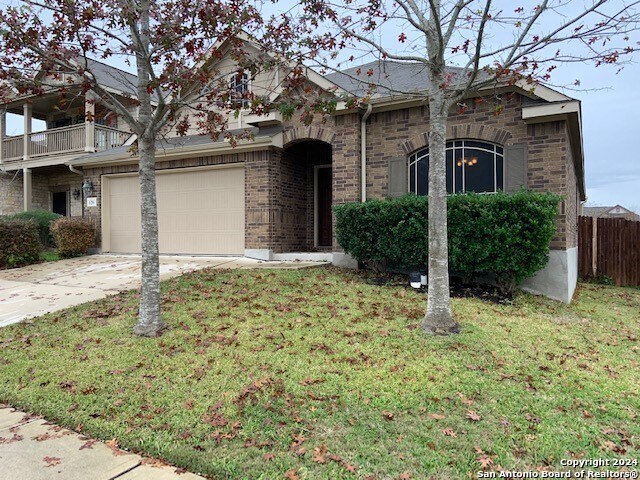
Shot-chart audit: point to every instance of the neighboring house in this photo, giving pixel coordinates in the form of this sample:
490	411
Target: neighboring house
271	198
617	211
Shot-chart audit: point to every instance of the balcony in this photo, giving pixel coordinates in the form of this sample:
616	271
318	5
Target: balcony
83	137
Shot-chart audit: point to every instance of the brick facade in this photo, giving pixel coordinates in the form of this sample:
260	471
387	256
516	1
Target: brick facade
550	166
279	183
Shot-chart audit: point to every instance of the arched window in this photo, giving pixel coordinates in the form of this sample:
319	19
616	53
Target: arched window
472	166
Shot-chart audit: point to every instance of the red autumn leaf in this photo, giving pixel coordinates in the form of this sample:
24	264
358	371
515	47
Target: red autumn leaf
52	461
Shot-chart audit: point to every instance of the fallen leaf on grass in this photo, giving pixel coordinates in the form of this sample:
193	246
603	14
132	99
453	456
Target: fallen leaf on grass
485	462
387	415
268	457
291	475
449	433
437	416
473	416
319	454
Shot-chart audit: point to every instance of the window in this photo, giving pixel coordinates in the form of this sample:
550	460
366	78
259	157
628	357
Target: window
472	166
239	87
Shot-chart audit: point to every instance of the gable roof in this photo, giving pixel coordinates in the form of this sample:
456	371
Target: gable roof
390	77
393	78
113	78
608	212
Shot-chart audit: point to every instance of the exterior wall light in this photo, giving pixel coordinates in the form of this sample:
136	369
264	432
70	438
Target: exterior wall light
87	187
76	194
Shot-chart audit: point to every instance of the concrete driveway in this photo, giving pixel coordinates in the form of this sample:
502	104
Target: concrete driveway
48	287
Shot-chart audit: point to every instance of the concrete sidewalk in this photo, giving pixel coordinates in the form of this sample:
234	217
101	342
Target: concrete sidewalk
48	287
33	449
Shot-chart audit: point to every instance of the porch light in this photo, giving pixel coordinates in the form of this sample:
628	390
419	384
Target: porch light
87	187
415	279
76	194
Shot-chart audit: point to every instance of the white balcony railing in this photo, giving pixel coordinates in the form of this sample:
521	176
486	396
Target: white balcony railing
62	140
57	140
13	148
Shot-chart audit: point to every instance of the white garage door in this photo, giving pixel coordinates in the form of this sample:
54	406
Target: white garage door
199	212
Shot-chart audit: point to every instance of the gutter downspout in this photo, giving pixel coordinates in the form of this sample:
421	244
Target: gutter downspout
363	153
75	170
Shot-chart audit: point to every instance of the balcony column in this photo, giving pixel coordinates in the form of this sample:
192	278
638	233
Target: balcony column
3	132
27	191
89	124
27	110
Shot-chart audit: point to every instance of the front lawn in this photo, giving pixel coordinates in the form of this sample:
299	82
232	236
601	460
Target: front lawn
321	374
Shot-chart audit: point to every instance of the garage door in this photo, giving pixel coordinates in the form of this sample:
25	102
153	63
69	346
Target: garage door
199	212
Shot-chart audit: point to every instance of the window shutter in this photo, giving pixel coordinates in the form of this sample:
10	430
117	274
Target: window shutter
397	176
515	160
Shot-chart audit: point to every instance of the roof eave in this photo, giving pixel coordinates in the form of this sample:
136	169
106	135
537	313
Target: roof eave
176	153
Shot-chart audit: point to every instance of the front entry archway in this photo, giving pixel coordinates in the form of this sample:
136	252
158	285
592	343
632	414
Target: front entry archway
306	198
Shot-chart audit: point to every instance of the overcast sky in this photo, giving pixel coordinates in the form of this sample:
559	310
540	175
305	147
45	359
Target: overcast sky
611	126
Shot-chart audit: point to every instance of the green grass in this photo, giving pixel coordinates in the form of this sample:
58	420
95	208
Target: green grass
49	256
323	373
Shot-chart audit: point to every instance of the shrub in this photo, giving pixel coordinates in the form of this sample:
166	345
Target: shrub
503	235
43	219
73	236
19	243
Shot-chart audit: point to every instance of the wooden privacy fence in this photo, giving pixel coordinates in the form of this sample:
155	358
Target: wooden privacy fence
609	247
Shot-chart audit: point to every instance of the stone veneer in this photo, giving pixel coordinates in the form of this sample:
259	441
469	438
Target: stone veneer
42	186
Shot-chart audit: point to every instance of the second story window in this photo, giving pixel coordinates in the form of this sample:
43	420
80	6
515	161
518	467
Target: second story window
239	87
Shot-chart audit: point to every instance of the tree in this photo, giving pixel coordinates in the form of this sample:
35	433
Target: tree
170	44
493	43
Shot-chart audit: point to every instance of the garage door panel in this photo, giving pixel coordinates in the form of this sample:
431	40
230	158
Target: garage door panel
199	212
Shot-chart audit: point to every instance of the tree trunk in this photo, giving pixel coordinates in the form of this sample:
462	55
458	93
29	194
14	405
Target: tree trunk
149	322
438	319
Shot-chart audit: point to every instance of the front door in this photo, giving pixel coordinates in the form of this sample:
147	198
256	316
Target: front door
325	222
59	203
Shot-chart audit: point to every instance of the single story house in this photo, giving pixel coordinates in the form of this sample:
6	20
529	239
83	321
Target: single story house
272	197
617	211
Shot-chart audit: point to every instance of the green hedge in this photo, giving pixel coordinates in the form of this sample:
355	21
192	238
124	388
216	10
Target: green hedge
73	236
43	219
505	235
19	244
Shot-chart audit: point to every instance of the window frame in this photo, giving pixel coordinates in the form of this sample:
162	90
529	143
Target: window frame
239	101
495	149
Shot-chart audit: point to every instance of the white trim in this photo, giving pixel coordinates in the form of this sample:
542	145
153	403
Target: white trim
315	201
260	143
542	113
